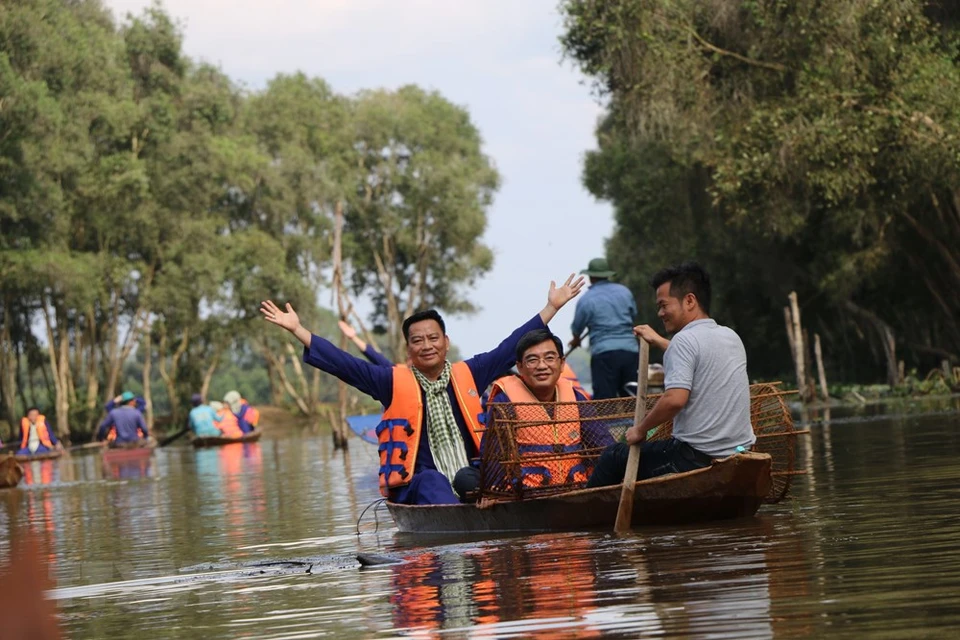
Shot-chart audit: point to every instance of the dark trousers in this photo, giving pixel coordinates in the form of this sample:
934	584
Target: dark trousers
612	370
656	459
429	486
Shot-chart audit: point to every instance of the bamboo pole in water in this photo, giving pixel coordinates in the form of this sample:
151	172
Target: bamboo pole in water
799	359
820	371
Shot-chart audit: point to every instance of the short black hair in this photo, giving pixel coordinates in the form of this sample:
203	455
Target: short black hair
29	409
688	277
420	316
535	337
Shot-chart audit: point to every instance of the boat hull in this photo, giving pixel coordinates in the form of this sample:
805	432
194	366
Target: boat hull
127	453
10	472
216	441
49	455
733	487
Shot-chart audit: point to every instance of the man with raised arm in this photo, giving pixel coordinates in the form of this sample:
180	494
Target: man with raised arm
417	464
706	389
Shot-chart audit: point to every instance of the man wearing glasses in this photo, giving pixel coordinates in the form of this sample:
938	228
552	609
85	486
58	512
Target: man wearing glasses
553	429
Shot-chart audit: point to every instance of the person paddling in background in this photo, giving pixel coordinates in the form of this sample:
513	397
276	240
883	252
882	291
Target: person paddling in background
247	416
203	419
366	349
607	310
126	422
706	389
430	428
36	436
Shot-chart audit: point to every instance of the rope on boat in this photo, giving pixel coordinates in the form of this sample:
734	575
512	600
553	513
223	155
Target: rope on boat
376	519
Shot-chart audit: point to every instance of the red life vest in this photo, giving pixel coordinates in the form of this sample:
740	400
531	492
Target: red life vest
42	433
541	442
399	428
569	374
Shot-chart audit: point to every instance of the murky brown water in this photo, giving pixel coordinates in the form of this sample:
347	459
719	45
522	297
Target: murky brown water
258	541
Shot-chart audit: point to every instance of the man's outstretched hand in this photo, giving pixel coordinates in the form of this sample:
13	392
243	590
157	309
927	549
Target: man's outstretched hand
559	296
347	330
288	319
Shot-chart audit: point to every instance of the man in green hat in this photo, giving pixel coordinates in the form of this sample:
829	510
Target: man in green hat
607	310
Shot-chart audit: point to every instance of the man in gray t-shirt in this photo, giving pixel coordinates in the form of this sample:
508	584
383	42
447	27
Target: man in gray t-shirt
706	389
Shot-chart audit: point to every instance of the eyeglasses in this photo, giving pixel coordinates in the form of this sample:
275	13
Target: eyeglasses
550	359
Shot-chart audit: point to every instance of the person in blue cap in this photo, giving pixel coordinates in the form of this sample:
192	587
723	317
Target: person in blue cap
607	310
126	423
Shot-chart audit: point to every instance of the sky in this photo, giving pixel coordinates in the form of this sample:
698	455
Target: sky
501	60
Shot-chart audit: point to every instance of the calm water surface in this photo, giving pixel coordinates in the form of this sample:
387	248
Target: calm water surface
259	541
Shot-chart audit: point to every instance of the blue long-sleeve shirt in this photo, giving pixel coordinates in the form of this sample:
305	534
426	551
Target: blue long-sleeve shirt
126	420
377	381
608	310
376	357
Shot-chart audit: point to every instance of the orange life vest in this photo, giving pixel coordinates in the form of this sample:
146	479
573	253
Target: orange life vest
41	432
399	428
569	374
228	424
540	443
251	415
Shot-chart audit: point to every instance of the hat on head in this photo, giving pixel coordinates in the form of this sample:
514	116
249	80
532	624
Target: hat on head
196	399
598	268
126	397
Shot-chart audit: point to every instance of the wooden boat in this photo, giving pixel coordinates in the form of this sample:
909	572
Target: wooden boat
10	472
47	455
216	441
733	487
133	451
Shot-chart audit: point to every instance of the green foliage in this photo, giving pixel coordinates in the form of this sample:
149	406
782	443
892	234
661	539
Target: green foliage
800	146
148	205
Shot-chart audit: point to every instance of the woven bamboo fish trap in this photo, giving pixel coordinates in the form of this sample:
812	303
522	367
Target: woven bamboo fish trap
540	449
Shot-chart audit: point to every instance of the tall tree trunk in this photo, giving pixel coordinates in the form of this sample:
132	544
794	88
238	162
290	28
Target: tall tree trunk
8	367
278	364
170	375
887	339
58	364
147	347
276	387
93	379
208	375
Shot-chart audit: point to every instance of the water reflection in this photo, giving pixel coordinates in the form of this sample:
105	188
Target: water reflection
258	541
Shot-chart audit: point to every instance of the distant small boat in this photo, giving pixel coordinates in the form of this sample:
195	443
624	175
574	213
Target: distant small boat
46	455
365	426
218	441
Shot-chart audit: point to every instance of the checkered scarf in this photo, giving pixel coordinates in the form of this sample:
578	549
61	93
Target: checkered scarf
443	434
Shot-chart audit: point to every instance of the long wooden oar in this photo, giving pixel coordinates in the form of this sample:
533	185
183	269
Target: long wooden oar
625	512
178	434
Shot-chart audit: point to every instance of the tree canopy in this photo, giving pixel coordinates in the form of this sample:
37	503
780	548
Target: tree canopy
148	205
796	145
